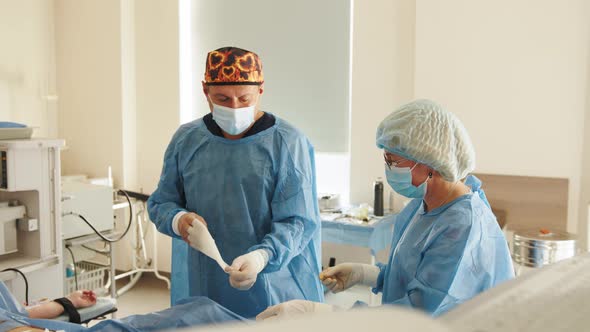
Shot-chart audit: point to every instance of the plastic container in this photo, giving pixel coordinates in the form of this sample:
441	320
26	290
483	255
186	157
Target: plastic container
15	133
378	200
90	276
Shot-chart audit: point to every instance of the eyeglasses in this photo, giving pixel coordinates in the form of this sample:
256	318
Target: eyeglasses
392	163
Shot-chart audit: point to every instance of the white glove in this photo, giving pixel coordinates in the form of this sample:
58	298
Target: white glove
244	269
183	221
343	276
293	308
200	239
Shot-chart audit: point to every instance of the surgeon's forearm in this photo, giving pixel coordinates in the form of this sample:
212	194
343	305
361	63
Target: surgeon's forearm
162	215
45	310
292	231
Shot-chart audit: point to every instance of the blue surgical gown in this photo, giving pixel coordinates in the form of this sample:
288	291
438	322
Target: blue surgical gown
191	312
446	256
258	192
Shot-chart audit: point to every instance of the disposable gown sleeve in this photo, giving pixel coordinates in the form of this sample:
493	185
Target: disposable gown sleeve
294	208
380	279
435	288
168	199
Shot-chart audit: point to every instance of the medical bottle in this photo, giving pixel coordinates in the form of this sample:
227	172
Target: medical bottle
378	201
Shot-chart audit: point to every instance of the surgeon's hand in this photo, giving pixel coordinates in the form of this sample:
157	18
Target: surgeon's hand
186	222
343	276
244	269
293	308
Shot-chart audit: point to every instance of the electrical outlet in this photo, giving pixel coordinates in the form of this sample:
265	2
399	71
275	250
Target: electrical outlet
28	224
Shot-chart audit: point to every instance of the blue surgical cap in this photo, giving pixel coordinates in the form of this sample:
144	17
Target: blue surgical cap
424	132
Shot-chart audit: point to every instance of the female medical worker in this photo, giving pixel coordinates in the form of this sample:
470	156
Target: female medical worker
447	245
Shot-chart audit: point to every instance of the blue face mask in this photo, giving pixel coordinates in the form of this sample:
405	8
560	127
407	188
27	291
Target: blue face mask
400	179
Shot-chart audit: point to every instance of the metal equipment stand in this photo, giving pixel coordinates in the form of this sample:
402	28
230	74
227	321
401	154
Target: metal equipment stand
141	263
107	253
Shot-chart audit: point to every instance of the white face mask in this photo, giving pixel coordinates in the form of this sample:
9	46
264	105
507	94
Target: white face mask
233	121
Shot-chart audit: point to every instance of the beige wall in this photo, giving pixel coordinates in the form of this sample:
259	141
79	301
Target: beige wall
157	85
521	87
27	68
118	85
584	225
382	79
158	114
525	202
516	75
88	54
401	40
119	92
129	115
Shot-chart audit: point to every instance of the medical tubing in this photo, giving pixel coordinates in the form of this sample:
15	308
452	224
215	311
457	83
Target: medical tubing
24	278
98	232
146	228
98	251
144	198
75	266
139	196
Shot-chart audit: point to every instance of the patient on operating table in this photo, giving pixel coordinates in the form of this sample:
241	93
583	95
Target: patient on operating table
189	312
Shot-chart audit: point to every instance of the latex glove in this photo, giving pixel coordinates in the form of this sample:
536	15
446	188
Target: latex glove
293	308
244	269
200	239
343	276
186	221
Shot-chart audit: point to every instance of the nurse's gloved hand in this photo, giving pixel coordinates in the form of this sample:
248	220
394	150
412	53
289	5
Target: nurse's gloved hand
293	308
343	276
187	221
244	269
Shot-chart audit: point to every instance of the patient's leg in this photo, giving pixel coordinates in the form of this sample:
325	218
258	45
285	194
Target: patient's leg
189	312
